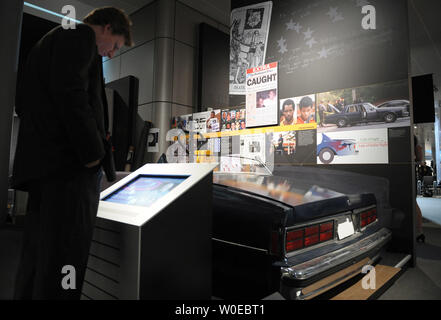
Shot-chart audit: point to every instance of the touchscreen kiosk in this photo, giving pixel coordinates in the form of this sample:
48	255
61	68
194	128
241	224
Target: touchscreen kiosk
152	237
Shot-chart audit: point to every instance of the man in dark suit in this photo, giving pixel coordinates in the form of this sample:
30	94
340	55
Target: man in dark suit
62	146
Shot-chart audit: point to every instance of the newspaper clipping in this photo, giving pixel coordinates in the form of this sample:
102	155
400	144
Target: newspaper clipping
261	96
248	42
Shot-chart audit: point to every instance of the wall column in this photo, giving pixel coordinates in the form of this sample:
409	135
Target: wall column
163	71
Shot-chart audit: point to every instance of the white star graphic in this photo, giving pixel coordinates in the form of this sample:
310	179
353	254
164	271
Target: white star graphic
290	25
311	42
324	53
308	33
297	27
282	45
332	12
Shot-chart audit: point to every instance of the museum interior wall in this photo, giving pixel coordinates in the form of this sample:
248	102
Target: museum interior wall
320	50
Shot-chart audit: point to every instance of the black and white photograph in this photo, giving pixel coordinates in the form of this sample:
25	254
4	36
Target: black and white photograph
248	41
253	147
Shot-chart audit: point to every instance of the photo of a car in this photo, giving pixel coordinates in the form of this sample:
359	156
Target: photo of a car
364	113
329	148
290	232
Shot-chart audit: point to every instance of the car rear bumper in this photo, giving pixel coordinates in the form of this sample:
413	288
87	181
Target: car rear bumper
343	264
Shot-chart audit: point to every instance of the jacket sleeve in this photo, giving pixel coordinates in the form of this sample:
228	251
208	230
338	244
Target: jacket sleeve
71	56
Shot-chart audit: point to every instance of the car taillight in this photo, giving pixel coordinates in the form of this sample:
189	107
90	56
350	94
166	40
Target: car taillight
309	236
368	217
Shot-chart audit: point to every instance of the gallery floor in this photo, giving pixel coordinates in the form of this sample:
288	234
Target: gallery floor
420	283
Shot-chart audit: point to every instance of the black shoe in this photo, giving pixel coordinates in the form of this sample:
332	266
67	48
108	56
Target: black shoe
421	238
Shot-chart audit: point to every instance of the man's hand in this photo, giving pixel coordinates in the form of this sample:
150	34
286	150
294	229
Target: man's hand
92	164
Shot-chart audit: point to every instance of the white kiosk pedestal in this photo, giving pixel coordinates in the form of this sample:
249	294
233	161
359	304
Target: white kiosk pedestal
152	237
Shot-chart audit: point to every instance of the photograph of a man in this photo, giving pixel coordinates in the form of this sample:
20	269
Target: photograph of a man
306	111
321	111
284	144
271	100
287	118
213	122
259	100
61	150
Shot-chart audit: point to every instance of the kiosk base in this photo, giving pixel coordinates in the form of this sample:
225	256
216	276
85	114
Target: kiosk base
168	257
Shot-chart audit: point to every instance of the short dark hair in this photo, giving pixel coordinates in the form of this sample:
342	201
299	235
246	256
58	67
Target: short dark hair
119	22
287	103
306	102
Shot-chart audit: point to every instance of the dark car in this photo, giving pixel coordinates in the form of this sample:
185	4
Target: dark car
290	233
366	112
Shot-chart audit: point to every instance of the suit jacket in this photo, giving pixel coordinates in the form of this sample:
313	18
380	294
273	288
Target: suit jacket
62	107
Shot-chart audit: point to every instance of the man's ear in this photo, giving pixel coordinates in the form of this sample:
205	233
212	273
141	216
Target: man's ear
107	28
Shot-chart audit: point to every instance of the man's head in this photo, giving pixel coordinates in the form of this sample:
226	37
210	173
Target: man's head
112	29
306	107
288	110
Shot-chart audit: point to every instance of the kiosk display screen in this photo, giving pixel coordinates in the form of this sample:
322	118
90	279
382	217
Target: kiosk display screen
144	190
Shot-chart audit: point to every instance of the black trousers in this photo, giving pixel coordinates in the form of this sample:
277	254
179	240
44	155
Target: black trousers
58	231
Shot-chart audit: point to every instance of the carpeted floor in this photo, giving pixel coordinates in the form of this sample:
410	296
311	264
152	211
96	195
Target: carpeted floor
424	281
431	208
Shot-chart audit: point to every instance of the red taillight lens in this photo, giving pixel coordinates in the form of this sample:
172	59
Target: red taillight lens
294	245
293	235
325	227
294	240
368	217
326	236
309	236
311	240
309	231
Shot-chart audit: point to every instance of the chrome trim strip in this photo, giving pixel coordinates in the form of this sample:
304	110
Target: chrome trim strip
240	245
403	262
320	264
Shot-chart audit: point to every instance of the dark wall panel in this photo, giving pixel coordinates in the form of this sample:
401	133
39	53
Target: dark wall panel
213	67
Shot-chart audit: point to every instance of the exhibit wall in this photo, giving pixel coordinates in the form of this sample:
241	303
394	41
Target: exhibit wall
323	50
342	84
